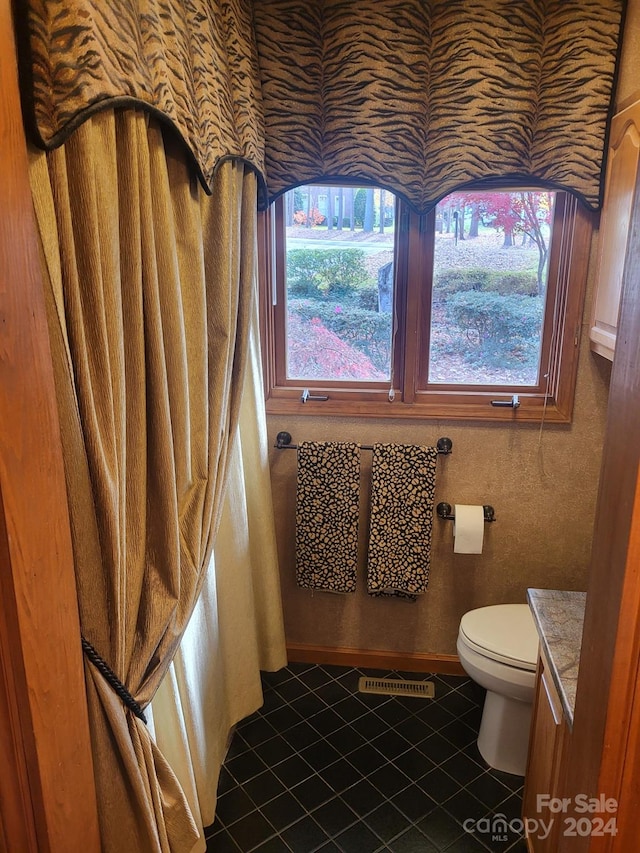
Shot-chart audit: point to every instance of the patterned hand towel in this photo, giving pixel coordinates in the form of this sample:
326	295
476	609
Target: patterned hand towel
403	480
327	507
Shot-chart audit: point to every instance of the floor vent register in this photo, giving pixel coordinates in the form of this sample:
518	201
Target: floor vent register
397	687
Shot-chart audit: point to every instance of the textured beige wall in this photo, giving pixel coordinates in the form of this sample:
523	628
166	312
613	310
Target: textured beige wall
543	486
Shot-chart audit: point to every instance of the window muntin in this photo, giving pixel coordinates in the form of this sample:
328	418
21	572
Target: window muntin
409	391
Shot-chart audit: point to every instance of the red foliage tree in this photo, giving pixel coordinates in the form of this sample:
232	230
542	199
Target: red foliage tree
526	212
315	352
314	217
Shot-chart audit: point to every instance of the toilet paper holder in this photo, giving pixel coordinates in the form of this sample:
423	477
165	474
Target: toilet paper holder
445	511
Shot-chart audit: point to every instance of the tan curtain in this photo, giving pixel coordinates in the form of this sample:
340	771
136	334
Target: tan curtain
424	97
236	628
151	288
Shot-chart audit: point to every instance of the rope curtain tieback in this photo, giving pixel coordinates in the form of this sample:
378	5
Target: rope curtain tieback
110	676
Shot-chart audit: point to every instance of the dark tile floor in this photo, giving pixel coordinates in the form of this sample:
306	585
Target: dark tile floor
322	767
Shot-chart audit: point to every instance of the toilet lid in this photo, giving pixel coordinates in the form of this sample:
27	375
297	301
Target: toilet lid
504	632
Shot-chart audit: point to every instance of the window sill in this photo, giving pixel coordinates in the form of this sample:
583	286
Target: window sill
531	410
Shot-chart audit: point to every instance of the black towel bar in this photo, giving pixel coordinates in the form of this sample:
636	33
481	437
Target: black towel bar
283	442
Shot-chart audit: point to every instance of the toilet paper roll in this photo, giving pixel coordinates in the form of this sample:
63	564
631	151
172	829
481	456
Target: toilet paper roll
468	529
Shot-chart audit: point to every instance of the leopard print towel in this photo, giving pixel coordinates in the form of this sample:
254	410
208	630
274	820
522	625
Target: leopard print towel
403	481
327	510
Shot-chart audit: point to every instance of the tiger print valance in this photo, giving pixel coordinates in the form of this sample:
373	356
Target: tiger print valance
192	62
418	96
426	96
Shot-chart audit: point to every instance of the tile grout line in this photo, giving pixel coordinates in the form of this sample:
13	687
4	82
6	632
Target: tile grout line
404	715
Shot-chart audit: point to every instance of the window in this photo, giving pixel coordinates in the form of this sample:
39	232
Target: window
471	311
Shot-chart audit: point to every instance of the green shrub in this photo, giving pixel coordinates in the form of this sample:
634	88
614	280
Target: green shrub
448	282
451	281
322	273
497	330
368	298
367	331
513	283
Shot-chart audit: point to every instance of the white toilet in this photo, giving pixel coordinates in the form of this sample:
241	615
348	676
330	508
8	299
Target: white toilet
498	648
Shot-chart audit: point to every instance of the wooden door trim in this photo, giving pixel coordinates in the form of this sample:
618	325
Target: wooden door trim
619	766
620	770
45	729
610	654
17	818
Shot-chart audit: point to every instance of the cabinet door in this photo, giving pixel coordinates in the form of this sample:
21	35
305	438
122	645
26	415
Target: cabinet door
622	168
544	767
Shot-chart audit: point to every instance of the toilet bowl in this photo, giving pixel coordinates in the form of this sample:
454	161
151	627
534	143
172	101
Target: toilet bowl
498	649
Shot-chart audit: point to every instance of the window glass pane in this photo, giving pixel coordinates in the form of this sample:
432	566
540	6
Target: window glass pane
339	283
489	287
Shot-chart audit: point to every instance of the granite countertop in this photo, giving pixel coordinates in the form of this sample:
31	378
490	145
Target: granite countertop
559	616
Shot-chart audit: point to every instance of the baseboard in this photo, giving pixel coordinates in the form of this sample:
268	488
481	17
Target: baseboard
374	659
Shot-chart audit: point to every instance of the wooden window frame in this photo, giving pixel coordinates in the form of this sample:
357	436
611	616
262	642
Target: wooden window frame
568	268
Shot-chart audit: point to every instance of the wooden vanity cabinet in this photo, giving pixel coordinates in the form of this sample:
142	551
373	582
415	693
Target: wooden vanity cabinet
622	169
548	744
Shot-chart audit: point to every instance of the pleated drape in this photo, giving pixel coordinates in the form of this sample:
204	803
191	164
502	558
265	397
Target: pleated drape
236	628
151	290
